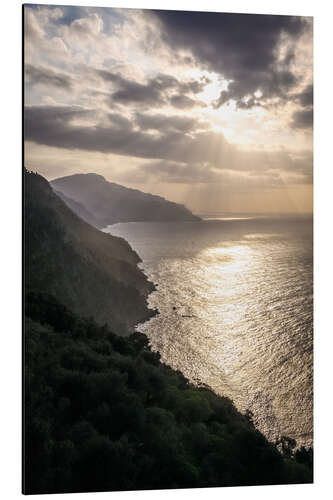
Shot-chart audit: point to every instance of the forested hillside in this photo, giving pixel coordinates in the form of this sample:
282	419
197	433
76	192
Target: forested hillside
102	413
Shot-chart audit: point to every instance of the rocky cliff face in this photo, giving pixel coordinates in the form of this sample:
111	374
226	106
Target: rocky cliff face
92	273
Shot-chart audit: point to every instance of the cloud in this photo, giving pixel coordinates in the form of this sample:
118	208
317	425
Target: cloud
164	123
119	121
305	98
302	119
90	26
167	172
242	48
46	76
242	104
32	30
184	102
130	91
40	42
183	150
86	29
273	84
55	126
132	82
171	172
160	90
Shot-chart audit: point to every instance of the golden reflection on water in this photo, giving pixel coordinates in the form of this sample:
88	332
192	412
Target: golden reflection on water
243	318
229	259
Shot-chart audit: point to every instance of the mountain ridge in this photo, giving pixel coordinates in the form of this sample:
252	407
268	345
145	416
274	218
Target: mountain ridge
109	202
91	272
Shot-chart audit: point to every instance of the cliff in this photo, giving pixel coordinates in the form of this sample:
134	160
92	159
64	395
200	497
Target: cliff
92	273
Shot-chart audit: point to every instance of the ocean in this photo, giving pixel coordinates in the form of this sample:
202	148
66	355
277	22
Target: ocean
235	296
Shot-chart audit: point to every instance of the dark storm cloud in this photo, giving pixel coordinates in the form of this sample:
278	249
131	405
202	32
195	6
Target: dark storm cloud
46	76
241	47
305	98
198	156
247	104
183	102
303	119
156	92
275	83
195	156
193	86
120	121
53	126
60	115
134	92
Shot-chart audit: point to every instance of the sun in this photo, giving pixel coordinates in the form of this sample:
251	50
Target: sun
213	90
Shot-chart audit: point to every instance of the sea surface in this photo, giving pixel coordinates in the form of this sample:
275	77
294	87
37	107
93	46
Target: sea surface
236	310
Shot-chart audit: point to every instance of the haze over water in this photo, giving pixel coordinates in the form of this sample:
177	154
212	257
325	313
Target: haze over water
242	289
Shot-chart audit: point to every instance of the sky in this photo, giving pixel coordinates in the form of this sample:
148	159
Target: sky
208	109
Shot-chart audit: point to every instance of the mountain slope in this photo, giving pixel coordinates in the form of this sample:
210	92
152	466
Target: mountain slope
92	273
78	209
110	203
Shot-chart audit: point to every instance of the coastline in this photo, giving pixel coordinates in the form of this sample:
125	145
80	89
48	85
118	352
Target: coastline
169	339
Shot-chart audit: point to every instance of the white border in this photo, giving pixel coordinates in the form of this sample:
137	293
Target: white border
10	363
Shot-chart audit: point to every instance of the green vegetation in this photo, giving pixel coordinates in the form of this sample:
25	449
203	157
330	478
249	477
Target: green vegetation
103	413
